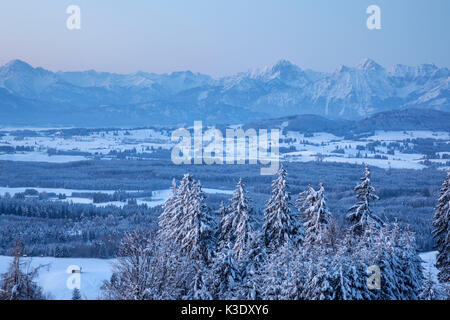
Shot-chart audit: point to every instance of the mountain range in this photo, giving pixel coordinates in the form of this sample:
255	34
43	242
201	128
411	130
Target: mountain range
35	96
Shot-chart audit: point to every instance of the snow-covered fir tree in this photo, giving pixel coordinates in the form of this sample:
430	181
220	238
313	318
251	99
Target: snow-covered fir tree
186	222
76	294
441	231
279	225
223	232
360	215
430	289
317	217
252	268
226	231
226	275
392	249
348	275
242	230
200	287
284	273
131	276
166	219
409	272
319	281
198	228
180	210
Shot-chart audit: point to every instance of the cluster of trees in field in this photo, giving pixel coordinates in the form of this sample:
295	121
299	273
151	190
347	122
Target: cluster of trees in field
61	229
295	254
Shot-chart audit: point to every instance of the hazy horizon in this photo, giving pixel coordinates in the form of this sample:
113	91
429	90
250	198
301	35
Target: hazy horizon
259	68
222	38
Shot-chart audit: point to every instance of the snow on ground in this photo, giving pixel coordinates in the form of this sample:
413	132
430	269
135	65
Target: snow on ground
305	147
429	261
380	163
101	142
399	161
40	157
330	148
158	196
53	278
67	192
403	135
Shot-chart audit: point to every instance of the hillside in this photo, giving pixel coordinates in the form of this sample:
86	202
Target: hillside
395	120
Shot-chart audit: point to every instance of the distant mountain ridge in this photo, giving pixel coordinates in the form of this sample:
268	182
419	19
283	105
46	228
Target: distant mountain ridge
394	120
35	96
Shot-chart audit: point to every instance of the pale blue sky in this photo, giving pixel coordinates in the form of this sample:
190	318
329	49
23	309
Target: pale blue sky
221	37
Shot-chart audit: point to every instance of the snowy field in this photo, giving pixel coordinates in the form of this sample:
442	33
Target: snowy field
158	196
97	143
384	149
53	277
386	154
40	157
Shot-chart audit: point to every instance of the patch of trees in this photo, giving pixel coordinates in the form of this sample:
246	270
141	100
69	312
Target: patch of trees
293	254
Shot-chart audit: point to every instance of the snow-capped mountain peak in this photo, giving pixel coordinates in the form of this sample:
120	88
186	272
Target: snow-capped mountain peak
283	71
17	66
369	65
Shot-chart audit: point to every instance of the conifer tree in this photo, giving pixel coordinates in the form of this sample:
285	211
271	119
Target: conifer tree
348	277
76	295
227	224
278	227
187	223
224	230
430	290
131	276
252	269
407	263
285	276
441	231
197	228
226	274
360	215
166	219
201	290
319	281
317	216
242	226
